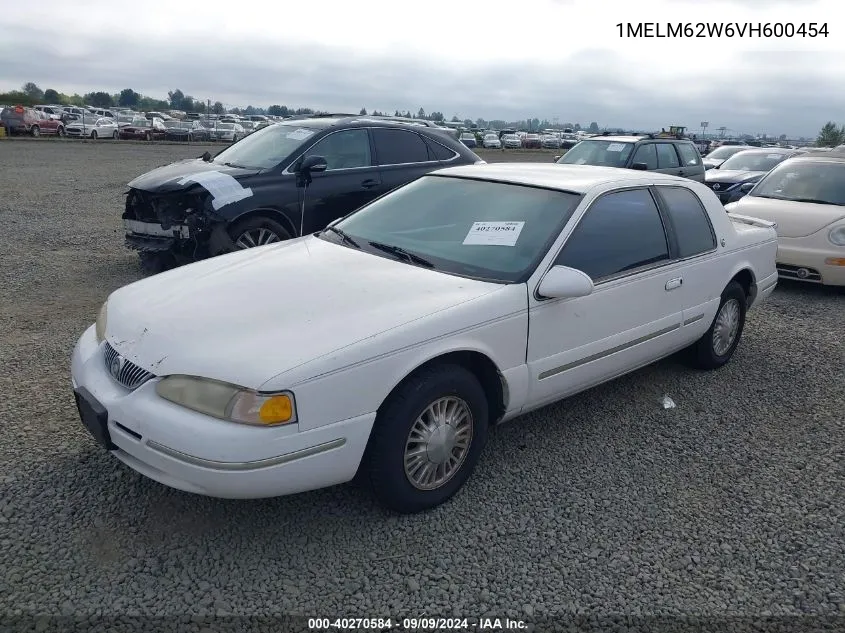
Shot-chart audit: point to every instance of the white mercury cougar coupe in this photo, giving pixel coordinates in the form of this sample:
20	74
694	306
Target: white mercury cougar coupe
388	344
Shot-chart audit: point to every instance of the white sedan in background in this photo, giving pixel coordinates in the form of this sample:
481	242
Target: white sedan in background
228	132
805	197
93	127
463	299
491	141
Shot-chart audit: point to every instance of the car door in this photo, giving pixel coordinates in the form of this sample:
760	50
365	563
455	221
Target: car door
350	180
691	165
402	156
694	248
645	154
632	317
668	161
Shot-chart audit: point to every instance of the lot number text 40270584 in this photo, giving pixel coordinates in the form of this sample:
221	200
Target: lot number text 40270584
722	29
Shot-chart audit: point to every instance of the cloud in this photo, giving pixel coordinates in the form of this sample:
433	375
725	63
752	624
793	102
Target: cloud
439	66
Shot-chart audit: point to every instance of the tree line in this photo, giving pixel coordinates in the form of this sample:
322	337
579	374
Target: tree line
31	94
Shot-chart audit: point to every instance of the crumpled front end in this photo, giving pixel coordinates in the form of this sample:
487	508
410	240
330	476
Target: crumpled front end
180	223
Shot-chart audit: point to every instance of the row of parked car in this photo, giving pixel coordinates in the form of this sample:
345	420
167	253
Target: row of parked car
98	123
513	139
471	294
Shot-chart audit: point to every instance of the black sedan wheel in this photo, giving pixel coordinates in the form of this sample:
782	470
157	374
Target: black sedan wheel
257	231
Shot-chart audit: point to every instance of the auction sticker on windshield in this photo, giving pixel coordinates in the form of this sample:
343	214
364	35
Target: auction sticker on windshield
301	134
616	147
494	233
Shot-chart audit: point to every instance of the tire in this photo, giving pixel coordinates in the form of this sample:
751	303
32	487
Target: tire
398	486
710	351
148	137
257	230
235	138
94	135
190	138
60	132
154	263
114	135
35	131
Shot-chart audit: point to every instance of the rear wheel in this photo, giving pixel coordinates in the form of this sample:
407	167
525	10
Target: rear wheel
35	131
718	344
94	135
257	231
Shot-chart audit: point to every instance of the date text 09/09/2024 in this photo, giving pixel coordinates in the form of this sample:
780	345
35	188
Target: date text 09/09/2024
415	624
722	29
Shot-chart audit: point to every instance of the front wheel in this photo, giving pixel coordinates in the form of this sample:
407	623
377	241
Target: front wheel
257	231
427	439
94	135
148	137
114	135
718	344
35	131
61	132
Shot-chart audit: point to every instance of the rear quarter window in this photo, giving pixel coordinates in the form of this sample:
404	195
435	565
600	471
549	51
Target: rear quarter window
689	219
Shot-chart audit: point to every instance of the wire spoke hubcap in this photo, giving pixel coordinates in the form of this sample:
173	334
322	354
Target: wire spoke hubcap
438	443
726	327
256	237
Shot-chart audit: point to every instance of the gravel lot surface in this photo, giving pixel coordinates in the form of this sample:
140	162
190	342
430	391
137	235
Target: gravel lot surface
731	504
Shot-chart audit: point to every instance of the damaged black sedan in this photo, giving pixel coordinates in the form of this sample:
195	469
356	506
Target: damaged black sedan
286	180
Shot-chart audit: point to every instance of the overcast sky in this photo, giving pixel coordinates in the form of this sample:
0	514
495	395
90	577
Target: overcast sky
473	58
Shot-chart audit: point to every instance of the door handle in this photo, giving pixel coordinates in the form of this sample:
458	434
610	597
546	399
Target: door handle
369	183
681	172
677	282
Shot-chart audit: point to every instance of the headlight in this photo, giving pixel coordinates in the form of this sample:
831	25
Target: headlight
837	235
100	327
229	402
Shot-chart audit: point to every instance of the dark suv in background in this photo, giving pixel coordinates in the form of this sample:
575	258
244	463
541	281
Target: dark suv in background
673	156
283	181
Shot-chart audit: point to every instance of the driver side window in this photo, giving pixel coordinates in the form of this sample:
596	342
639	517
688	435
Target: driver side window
346	149
646	153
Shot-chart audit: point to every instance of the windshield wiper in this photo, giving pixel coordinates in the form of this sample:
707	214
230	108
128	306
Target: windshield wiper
343	236
813	201
235	166
401	252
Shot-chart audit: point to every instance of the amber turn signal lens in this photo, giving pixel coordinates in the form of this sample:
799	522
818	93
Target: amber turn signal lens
276	410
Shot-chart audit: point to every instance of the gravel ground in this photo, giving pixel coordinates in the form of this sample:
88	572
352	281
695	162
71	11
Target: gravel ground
730	505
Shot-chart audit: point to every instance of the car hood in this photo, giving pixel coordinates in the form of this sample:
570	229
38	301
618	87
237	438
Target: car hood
165	179
732	175
252	315
794	219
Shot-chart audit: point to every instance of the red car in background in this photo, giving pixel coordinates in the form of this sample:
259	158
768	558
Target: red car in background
22	120
143	129
532	141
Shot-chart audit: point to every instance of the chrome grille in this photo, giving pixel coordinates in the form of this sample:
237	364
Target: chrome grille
801	273
124	371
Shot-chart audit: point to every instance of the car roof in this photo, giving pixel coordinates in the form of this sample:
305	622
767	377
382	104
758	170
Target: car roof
573	178
629	138
766	150
820	157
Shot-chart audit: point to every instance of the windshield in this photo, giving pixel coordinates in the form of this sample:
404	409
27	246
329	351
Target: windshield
225	126
603	153
172	124
806	181
725	152
141	123
267	147
87	119
488	230
752	161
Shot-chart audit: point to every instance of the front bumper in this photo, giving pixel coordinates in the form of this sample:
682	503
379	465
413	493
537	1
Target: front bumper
803	259
196	453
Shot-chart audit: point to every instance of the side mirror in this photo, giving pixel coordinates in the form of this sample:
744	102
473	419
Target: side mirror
640	166
717	166
206	156
557	158
562	282
311	164
747	186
